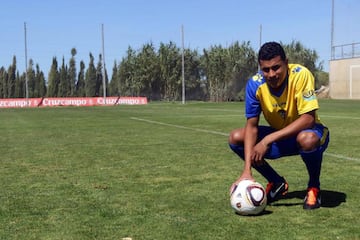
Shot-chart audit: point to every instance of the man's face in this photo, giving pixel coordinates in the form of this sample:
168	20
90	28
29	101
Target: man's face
275	71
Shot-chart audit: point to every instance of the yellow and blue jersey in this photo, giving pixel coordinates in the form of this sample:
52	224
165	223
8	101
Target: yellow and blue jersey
281	108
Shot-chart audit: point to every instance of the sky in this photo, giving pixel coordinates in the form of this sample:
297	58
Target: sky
53	28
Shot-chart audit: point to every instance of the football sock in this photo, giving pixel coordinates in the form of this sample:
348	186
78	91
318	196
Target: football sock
238	149
268	172
265	170
312	160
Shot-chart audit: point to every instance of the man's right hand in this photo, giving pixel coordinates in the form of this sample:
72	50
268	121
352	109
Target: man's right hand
244	176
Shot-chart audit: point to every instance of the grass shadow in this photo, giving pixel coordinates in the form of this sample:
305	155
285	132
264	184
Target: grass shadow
329	199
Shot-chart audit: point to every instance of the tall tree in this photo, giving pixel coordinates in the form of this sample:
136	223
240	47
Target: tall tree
99	77
146	71
80	84
114	89
3	82
64	87
11	79
31	79
102	75
227	69
72	72
40	82
298	53
20	85
91	79
36	86
170	71
53	79
126	73
193	83
241	65
214	62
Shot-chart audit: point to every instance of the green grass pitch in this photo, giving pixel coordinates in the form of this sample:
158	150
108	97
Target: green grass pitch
161	171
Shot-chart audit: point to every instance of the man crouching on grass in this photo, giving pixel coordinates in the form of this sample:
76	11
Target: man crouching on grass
285	95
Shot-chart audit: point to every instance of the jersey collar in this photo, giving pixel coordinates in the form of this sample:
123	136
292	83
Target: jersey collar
282	87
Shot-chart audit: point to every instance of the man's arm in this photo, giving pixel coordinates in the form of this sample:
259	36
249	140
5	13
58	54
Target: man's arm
251	134
305	121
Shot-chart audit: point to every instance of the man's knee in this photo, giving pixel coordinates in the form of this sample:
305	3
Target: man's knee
236	136
307	141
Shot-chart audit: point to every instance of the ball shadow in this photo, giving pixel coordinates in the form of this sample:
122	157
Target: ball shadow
265	212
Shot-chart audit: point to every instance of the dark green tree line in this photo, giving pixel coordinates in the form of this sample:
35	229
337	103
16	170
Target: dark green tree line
216	74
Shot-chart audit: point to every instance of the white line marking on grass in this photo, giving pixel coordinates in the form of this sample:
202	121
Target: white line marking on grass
341	157
179	126
342	117
224	134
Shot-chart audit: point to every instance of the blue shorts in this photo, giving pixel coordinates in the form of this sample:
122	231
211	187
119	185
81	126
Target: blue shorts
289	146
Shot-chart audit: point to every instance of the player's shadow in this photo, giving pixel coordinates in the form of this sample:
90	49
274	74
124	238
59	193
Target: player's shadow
329	199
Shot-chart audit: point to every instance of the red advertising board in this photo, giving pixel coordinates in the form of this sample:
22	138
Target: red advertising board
70	101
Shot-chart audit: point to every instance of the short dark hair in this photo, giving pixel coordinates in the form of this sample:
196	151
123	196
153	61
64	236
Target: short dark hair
270	50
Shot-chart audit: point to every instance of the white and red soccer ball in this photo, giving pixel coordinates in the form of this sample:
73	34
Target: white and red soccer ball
248	198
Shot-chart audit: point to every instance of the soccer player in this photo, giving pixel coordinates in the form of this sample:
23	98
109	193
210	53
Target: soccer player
285	95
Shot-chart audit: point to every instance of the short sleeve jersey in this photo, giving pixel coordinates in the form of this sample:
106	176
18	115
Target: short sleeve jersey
296	97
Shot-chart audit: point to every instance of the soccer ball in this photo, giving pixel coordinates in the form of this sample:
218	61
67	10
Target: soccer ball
248	198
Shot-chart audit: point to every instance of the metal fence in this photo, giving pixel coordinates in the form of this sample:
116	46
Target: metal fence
351	50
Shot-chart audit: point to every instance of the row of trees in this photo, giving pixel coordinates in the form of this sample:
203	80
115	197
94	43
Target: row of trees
217	74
